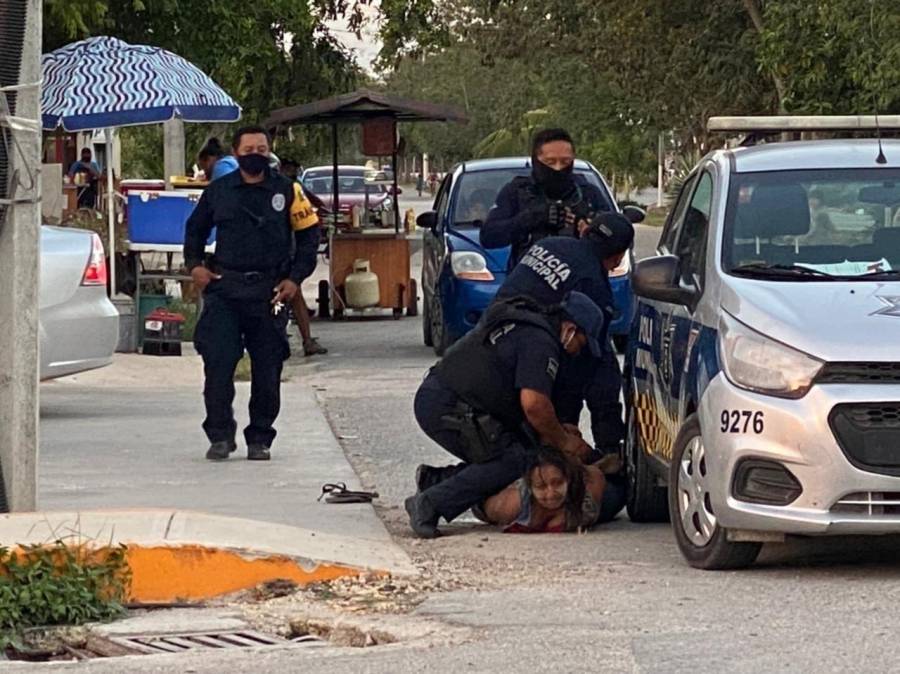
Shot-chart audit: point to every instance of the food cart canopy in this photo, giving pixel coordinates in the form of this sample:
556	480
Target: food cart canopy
362	105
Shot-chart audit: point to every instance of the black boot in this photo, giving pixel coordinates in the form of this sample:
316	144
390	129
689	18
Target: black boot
257	452
423	518
428	476
219	451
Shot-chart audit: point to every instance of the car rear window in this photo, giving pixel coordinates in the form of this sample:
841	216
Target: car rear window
476	192
842	222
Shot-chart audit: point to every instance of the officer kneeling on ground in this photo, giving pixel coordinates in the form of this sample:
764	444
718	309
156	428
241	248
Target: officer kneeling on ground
551	269
266	243
489	403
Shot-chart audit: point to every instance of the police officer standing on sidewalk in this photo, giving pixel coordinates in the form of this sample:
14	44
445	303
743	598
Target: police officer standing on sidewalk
266	242
489	403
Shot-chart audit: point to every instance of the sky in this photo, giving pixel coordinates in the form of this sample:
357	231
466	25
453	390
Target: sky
366	49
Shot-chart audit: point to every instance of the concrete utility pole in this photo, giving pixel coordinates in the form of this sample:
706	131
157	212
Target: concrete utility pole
660	169
20	256
173	150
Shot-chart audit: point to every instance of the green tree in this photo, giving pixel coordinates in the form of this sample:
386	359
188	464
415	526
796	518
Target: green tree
833	56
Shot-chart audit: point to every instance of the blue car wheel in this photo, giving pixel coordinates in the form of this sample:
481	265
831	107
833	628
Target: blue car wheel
440	335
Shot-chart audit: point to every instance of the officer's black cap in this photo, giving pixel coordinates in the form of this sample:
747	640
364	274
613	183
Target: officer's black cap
611	234
583	312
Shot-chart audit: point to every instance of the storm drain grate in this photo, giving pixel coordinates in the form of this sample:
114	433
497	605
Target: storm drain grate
178	643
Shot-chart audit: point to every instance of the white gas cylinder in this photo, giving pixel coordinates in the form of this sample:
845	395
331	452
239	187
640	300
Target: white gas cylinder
361	287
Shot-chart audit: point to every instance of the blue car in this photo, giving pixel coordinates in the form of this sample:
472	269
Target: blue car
460	277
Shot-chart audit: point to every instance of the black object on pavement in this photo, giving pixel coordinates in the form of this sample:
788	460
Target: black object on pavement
338	493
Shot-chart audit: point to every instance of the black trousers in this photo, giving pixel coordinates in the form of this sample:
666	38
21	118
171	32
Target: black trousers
473	482
597	381
237	315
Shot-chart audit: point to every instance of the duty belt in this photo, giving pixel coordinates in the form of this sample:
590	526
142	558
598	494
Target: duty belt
255	276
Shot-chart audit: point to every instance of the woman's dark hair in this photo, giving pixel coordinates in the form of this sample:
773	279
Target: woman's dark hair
246	130
213	148
544	136
574	474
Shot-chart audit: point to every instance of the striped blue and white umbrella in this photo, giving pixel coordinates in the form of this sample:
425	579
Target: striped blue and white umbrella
103	82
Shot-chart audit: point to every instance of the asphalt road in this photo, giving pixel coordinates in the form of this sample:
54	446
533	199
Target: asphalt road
619	598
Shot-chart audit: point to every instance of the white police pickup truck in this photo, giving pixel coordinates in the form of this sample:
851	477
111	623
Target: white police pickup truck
762	379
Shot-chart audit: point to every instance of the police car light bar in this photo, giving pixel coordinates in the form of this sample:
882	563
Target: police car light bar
779	123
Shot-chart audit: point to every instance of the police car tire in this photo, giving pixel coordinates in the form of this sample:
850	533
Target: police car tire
646	500
426	322
719	553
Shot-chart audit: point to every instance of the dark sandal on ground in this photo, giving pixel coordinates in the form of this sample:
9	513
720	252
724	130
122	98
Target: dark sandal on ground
313	348
338	493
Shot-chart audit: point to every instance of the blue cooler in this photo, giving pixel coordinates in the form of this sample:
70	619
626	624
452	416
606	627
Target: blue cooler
159	217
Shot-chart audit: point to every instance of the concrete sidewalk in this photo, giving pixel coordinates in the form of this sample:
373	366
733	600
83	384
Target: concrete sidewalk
128	436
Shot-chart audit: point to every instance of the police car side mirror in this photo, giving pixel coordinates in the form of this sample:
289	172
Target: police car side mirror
427	220
656	278
633	214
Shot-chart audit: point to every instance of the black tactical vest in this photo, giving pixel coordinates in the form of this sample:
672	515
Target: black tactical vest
472	369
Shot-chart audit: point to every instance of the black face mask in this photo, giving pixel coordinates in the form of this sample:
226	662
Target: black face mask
253	164
555	184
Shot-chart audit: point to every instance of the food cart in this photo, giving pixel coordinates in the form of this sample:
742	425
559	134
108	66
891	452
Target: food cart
388	253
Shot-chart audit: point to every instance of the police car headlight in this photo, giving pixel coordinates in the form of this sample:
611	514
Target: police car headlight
757	363
470	265
623	268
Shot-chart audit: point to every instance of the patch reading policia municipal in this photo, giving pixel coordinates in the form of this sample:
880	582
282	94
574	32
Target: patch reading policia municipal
546	265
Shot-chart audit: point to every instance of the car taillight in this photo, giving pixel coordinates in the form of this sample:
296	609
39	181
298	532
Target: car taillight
95	272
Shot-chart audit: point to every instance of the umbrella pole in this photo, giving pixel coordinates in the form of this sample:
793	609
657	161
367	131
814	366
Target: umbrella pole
111	214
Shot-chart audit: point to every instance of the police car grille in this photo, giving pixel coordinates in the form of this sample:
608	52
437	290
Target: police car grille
859	373
869	503
869	435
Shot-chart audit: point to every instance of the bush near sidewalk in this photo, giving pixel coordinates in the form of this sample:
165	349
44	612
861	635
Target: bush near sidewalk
60	584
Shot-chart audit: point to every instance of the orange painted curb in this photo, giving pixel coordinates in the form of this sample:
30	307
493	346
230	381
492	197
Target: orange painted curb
194	572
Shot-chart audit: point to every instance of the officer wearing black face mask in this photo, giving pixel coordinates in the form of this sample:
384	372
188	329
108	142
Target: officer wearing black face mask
266	242
549	202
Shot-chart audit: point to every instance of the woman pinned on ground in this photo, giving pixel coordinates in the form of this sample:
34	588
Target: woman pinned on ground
554	496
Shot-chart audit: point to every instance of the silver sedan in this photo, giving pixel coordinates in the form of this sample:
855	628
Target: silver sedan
79	326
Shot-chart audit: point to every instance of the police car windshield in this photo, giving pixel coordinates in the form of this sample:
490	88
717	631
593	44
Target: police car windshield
476	192
843	223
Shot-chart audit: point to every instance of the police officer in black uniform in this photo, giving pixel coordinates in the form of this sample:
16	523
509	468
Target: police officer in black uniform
554	201
550	269
489	403
262	253
549	202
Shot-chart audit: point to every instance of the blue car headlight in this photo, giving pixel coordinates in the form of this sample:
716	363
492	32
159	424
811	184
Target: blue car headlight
470	265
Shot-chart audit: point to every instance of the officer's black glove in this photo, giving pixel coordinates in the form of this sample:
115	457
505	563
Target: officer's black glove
580	211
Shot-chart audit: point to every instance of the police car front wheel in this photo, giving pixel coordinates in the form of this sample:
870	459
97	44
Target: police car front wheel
701	539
